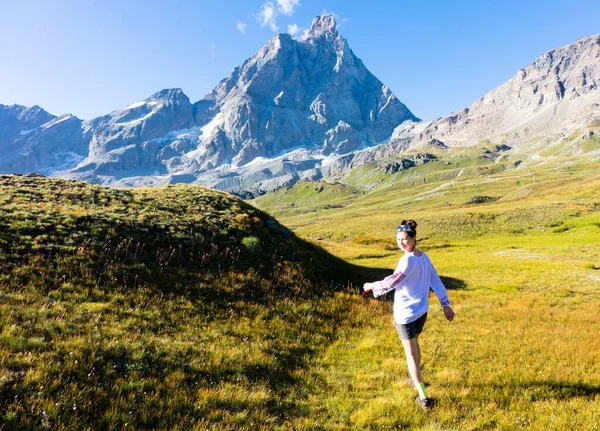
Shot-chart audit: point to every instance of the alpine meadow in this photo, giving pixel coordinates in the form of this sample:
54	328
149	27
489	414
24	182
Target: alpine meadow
177	265
184	308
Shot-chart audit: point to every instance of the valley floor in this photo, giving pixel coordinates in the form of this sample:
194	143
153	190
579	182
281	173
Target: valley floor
523	352
204	339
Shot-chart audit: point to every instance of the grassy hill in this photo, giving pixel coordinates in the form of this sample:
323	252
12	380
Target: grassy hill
177	308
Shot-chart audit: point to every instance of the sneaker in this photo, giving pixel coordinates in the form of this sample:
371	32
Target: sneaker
425	404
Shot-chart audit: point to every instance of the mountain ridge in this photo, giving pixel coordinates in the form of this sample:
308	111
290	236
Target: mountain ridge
302	108
545	102
557	84
309	92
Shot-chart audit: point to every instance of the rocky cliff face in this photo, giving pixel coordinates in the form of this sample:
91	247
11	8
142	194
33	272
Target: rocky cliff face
17	121
556	93
309	93
33	140
138	139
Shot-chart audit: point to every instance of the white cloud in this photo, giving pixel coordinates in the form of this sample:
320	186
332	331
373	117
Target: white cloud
241	26
270	10
293	29
267	16
213	52
286	7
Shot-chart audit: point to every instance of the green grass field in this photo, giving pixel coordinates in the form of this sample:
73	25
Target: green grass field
524	274
186	309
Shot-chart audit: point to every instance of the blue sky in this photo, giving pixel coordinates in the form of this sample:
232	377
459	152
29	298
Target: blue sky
89	57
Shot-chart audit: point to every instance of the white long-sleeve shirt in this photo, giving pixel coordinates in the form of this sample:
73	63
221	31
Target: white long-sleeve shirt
412	279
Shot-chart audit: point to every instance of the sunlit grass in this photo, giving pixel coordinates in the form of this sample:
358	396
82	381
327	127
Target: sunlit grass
509	361
183	308
180	308
523	352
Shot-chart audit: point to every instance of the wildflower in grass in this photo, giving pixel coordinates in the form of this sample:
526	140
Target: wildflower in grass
411	281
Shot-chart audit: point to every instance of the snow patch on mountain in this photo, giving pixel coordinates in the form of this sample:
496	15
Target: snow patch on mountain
209	127
134	105
62	162
190	134
56	121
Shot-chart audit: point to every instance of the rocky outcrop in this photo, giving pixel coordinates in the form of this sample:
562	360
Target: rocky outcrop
56	145
141	138
309	92
17	121
556	93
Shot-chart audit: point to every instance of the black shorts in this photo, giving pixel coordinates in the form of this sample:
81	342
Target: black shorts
408	331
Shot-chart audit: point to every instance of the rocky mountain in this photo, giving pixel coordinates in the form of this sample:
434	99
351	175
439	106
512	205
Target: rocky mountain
31	139
137	140
309	92
544	103
305	98
16	121
553	96
302	108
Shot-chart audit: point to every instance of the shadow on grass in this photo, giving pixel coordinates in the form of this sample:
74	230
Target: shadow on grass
452	283
362	274
540	390
561	390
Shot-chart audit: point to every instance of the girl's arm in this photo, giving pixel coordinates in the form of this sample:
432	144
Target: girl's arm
440	290
389	283
384	286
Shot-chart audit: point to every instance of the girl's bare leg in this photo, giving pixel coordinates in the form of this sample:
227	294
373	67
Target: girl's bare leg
413	359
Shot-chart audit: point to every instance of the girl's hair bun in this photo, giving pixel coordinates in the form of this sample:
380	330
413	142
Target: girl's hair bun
412	225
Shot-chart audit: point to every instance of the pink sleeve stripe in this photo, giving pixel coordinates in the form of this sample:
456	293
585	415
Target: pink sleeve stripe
387	284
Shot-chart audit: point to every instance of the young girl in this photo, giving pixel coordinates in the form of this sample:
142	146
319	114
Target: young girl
412	279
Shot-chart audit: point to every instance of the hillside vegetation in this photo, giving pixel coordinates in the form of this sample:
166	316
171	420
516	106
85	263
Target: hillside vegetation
174	308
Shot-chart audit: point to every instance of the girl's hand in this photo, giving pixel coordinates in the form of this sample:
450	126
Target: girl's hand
367	287
449	313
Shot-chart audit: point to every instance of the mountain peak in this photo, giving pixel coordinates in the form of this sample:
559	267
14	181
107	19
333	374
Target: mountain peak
168	94
322	26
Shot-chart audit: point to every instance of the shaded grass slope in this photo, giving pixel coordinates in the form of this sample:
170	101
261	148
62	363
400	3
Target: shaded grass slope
176	308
